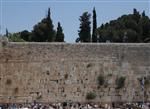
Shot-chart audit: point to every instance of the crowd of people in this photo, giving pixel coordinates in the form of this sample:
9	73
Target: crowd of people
66	105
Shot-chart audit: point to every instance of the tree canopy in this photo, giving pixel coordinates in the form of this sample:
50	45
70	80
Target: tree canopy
85	28
127	28
44	30
131	28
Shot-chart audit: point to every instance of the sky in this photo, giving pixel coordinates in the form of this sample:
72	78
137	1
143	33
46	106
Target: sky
19	15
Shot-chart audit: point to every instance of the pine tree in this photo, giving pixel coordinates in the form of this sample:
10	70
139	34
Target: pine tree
59	34
85	28
25	35
131	28
43	31
94	33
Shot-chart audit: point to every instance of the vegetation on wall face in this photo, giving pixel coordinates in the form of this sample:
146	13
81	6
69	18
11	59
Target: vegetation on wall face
147	82
90	95
16	90
66	76
101	80
89	65
120	82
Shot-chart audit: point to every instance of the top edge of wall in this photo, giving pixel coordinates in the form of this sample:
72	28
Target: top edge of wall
55	43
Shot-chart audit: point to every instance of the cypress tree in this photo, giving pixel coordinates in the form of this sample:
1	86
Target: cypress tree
143	14
59	34
7	33
94	33
136	15
50	27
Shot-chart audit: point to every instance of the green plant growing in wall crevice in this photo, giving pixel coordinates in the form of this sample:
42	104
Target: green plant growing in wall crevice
90	95
16	90
89	65
120	82
101	80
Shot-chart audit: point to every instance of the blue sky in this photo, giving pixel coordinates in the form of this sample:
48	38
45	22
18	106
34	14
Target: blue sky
18	15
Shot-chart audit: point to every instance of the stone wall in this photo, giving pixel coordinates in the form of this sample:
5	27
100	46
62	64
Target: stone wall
57	72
